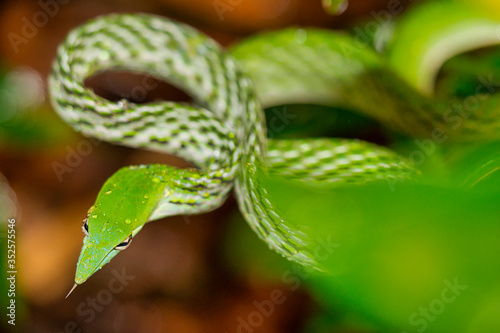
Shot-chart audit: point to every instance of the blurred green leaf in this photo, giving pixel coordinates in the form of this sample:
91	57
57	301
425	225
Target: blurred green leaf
406	256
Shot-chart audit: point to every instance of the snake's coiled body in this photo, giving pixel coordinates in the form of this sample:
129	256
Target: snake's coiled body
221	141
224	133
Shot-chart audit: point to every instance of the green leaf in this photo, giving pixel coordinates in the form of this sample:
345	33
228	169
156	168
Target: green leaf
408	257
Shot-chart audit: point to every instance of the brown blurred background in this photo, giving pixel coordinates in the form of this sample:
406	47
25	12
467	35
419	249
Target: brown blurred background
184	279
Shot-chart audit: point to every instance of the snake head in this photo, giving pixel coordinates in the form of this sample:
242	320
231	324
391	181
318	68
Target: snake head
122	207
103	240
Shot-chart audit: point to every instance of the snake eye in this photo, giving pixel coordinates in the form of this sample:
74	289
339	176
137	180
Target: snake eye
85	226
123	245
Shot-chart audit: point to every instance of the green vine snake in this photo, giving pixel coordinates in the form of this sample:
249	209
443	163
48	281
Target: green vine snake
223	132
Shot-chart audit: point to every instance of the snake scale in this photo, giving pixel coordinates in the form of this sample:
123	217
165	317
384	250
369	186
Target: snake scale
223	132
